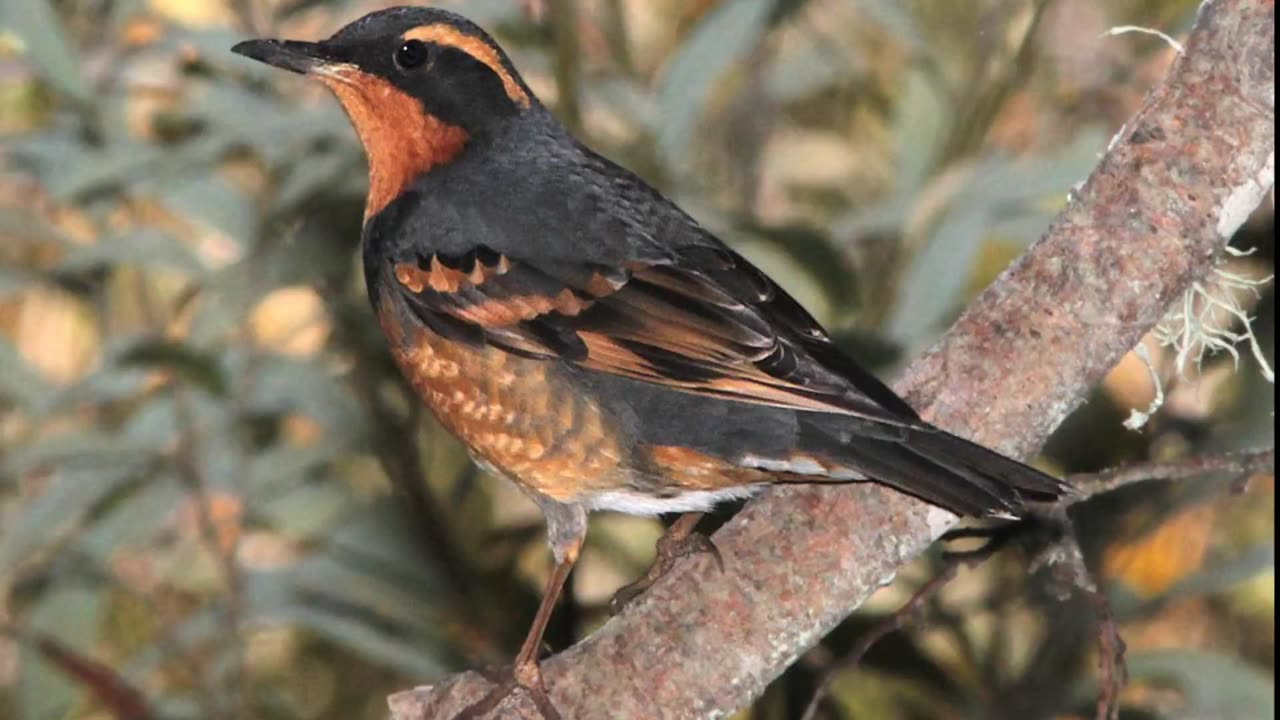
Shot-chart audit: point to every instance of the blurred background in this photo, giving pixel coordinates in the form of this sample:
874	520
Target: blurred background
219	500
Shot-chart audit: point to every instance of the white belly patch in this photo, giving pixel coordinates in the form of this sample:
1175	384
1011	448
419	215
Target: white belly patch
635	503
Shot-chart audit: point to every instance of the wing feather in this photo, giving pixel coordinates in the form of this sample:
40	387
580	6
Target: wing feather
703	322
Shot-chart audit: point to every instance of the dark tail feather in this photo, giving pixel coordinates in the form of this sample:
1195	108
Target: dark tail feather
949	450
943	469
896	466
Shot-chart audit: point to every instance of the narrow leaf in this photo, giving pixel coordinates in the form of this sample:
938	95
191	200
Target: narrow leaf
19	382
146	248
72	614
1212	686
722	38
46	45
938	275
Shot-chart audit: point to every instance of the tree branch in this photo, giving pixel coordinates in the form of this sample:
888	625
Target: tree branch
1178	180
1239	465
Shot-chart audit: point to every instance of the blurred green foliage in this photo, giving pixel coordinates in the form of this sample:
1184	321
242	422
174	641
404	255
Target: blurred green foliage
216	491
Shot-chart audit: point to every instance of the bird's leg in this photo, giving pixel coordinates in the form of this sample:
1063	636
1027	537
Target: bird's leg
566	529
680	540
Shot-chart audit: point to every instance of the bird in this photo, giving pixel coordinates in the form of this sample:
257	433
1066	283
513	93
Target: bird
582	335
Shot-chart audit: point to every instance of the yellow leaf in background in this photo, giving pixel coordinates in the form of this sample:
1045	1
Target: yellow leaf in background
1208	391
55	334
73	222
1129	383
1154	563
298	429
141	31
194	13
807	157
290	320
266	551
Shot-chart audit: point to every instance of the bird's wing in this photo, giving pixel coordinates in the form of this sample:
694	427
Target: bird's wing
702	320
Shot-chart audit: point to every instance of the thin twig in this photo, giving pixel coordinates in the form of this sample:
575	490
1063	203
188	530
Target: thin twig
952	562
178	657
186	462
897	621
1067	561
1112	670
106	683
1239	465
112	690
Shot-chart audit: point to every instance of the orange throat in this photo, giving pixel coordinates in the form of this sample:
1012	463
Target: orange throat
402	141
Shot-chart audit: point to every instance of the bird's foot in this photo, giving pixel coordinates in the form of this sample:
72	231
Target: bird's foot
1033	532
681	540
524	676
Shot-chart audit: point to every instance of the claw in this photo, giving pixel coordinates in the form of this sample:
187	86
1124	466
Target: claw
994	538
693	544
523	677
681	540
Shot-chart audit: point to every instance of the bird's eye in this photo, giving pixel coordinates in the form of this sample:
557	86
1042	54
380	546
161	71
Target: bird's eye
411	54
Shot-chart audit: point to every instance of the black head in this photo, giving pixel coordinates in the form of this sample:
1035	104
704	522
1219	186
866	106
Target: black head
419	85
446	62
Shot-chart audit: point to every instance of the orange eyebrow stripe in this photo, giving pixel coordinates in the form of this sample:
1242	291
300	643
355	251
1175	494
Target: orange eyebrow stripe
442	34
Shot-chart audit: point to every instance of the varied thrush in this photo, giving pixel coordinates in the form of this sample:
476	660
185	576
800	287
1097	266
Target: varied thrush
579	332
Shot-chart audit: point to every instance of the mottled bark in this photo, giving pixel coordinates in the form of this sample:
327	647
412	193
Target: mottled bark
1177	181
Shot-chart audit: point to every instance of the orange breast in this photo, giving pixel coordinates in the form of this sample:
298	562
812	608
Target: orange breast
512	412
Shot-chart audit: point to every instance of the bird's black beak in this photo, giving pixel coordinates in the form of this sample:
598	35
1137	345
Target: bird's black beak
294	55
